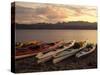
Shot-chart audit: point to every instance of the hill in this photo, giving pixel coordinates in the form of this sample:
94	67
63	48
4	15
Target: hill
64	25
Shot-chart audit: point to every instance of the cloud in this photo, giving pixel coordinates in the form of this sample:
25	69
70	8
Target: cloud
50	13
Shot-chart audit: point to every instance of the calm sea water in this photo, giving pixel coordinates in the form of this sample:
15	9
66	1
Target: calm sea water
55	35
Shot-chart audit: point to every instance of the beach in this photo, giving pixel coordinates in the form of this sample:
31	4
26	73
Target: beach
72	63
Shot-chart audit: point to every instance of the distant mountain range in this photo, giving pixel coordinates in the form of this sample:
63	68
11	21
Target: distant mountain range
59	25
64	25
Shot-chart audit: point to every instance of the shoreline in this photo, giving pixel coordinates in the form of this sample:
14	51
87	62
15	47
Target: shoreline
27	64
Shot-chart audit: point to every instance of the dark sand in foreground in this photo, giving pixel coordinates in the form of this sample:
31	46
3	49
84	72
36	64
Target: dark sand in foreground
71	63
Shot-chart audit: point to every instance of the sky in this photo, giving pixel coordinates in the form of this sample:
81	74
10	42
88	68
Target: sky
29	13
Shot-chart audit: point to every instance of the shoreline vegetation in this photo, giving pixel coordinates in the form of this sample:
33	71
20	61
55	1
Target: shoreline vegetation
60	25
29	64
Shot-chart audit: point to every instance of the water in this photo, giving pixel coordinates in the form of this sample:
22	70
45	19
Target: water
55	35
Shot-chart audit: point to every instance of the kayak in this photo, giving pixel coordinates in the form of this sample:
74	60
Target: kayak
86	51
51	53
27	43
47	56
27	51
44	59
65	54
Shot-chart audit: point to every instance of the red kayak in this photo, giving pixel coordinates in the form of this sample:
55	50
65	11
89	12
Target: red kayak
33	50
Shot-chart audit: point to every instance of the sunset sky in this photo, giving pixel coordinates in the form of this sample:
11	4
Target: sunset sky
29	13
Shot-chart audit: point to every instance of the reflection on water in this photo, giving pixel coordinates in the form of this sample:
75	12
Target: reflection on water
54	35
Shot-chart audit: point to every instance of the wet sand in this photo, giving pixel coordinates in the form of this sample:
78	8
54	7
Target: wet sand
71	63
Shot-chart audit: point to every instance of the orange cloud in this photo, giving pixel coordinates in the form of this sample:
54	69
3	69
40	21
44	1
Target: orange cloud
50	13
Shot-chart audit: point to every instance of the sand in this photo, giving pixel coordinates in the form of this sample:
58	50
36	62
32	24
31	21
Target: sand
29	64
